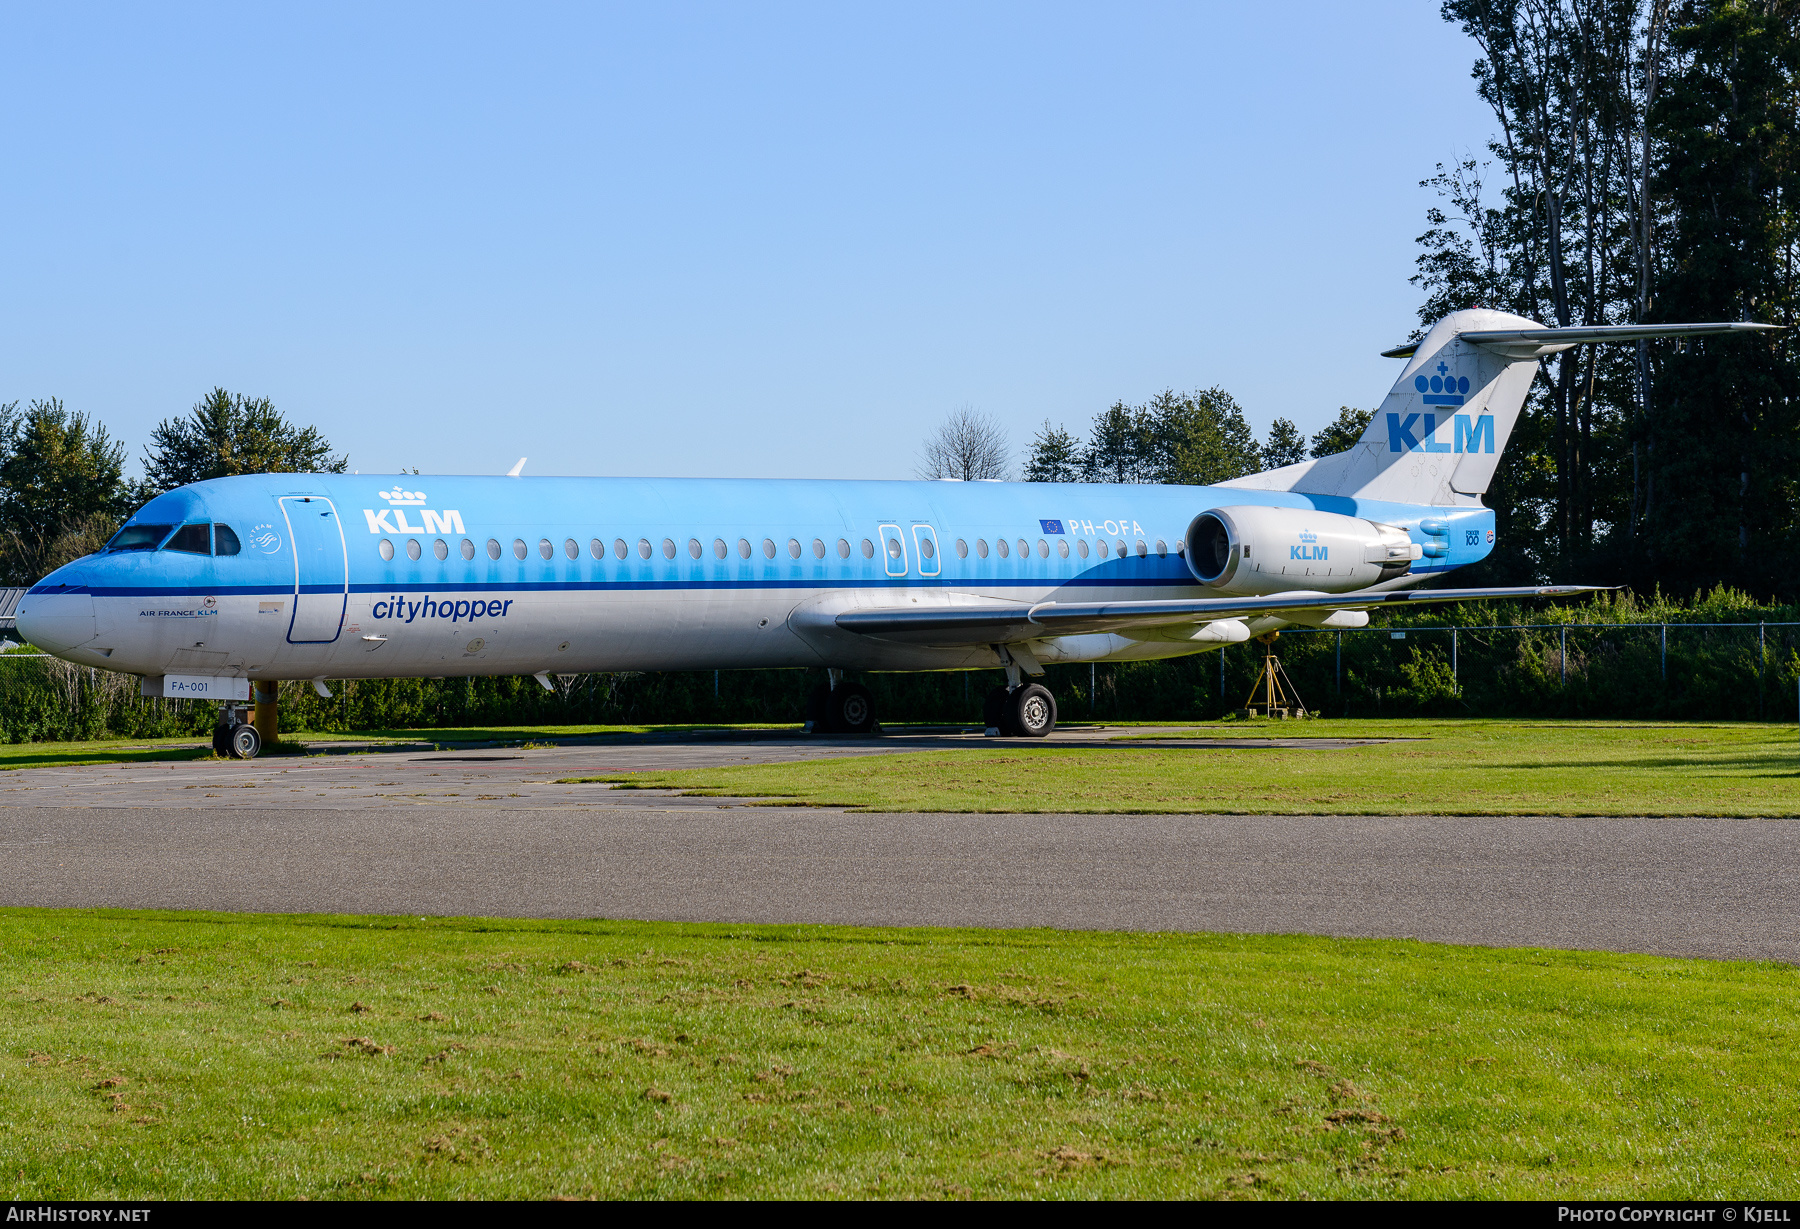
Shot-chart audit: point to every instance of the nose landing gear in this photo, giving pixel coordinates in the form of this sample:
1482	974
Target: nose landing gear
234	737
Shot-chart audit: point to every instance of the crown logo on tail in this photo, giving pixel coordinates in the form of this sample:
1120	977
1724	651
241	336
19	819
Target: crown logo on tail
1443	388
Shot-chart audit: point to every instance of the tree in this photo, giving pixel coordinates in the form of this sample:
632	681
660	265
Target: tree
228	434
1723	437
62	488
1119	447
1286	445
1055	456
969	446
1341	434
1199	438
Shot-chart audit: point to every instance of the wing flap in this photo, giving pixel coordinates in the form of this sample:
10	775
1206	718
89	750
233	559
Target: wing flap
1009	623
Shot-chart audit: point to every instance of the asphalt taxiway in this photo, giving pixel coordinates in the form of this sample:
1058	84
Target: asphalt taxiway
490	832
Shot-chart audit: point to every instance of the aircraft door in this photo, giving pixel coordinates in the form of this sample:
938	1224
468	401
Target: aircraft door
926	540
893	550
321	569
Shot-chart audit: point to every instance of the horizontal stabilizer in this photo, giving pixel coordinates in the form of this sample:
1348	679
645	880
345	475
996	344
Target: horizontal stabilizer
1535	343
1005	623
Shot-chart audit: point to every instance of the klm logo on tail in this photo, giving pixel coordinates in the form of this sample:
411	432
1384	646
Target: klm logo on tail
1419	432
1470	434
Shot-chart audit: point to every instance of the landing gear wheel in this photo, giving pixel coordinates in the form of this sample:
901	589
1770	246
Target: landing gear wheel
850	709
1032	711
221	740
995	712
244	742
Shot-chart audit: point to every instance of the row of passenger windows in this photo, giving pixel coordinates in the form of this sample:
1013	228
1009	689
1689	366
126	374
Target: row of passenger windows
621	549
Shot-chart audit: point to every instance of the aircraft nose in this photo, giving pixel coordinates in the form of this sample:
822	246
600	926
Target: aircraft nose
58	613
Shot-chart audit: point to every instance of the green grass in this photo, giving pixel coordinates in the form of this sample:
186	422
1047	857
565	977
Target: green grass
1458	768
209	1056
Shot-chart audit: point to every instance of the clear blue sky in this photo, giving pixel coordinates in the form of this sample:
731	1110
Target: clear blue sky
712	240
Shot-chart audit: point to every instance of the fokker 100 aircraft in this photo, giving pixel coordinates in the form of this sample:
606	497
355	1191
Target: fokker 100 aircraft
216	587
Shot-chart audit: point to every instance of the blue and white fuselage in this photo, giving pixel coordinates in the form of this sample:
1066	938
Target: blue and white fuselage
339	576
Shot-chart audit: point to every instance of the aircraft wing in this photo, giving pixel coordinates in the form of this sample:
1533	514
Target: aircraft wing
1004	623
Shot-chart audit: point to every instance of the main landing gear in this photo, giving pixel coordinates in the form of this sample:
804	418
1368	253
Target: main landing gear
838	707
1021	711
234	737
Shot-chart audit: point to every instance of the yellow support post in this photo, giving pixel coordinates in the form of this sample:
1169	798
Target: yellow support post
267	719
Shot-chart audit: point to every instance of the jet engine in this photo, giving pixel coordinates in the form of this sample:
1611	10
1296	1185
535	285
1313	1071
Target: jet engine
1252	551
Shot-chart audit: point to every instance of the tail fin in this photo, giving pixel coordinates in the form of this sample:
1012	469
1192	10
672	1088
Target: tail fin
1439	435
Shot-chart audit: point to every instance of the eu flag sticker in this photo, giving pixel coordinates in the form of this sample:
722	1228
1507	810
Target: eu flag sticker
1051	526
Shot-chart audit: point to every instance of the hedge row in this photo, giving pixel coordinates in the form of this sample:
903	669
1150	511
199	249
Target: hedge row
1745	670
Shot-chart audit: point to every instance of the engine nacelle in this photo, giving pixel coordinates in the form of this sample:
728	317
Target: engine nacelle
1251	551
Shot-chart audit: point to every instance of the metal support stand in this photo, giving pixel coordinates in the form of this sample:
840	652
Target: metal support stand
1565	655
1274	694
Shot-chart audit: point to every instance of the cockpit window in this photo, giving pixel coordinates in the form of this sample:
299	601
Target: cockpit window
191	540
225	541
139	537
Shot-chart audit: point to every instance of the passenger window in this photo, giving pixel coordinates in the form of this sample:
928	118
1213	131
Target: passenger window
1100	545
668	548
694	548
928	548
1142	548
1081	547
1001	548
644	548
441	549
818	548
572	548
191	540
1062	548
793	548
545	548
719	548
768	548
981	548
1162	549
620	550
493	548
868	549
597	549
1024	549
962	549
385	548
843	549
1043	549
412	548
894	548
468	549
1123	550
519	548
743	548
225	540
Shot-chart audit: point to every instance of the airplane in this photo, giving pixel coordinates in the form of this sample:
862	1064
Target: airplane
224	586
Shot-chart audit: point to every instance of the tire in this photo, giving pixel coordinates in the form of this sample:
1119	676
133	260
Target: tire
221	740
850	709
1032	710
995	711
245	742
